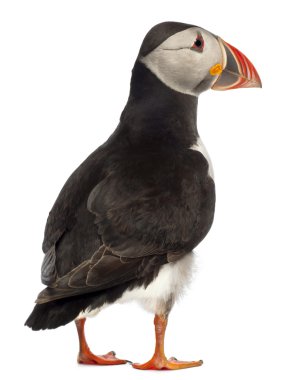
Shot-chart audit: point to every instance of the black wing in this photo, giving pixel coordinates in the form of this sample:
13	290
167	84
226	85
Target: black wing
146	211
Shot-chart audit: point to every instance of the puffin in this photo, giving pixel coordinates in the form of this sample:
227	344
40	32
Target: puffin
126	222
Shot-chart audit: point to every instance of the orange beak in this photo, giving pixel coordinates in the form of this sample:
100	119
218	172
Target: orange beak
238	71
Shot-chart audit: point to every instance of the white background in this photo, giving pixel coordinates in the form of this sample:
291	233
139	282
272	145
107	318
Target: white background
64	79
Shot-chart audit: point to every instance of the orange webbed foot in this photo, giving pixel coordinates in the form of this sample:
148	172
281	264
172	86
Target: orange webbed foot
108	359
165	364
159	360
85	355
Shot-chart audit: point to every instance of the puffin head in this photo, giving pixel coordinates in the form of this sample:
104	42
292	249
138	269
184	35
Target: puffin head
190	60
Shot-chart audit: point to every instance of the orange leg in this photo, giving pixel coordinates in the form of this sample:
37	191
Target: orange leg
85	356
159	360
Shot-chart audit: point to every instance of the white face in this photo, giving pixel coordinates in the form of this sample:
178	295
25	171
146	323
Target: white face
183	64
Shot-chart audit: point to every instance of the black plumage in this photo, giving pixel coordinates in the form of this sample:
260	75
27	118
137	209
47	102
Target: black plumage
139	201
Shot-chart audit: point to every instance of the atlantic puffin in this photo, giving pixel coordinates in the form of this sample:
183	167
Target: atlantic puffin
126	222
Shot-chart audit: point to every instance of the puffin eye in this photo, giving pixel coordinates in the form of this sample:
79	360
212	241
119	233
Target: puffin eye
198	44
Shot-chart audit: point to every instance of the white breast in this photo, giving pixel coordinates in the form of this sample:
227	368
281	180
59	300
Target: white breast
199	146
171	281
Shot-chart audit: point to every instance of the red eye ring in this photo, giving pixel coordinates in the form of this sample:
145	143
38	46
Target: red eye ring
198	44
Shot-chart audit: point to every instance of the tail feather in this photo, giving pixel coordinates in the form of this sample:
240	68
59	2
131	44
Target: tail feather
53	314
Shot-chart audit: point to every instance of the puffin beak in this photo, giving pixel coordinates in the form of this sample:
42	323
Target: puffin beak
237	70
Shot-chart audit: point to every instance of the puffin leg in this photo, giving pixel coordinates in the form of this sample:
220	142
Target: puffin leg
85	356
159	360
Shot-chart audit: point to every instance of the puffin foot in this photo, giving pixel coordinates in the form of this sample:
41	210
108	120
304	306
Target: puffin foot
108	359
159	360
159	363
85	356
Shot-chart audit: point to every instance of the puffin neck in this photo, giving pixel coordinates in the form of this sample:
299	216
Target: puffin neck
155	114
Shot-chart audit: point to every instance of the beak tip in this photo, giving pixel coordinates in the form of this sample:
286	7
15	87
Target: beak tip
254	83
257	83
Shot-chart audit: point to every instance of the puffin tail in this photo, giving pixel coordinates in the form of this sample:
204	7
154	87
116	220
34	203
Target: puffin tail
53	314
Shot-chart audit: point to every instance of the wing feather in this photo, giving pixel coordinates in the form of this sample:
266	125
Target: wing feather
128	224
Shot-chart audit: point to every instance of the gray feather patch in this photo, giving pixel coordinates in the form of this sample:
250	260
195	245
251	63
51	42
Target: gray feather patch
48	268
